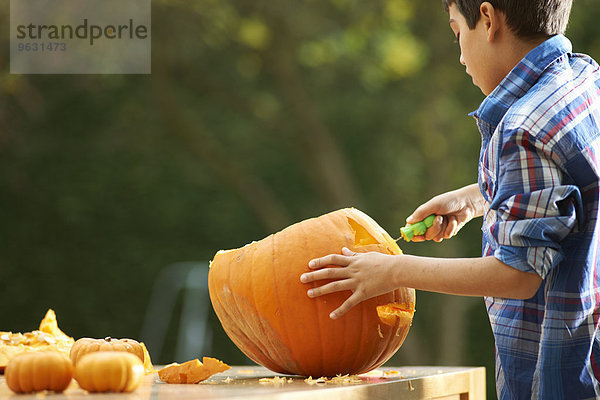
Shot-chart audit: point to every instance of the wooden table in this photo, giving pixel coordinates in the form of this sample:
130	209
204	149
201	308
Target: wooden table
243	382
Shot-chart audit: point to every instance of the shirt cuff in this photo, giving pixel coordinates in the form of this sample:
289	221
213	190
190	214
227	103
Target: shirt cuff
540	260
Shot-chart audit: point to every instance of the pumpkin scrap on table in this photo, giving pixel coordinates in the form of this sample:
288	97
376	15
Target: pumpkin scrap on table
339	380
47	338
36	371
276	380
85	346
256	292
192	371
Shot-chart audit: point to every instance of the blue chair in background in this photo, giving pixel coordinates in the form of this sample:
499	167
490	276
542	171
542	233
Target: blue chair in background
188	281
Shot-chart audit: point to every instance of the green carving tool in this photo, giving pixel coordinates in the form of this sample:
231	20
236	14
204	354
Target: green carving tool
416	229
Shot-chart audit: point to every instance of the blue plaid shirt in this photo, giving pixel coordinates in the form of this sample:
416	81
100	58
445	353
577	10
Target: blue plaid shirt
539	173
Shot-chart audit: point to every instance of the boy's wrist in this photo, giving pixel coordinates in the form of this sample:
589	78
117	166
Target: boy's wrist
475	199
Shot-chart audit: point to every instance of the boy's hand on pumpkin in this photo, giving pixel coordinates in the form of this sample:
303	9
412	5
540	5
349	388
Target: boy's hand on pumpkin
365	274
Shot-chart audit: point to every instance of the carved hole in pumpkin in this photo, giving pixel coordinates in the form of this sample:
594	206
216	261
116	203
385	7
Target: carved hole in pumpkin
361	236
390	313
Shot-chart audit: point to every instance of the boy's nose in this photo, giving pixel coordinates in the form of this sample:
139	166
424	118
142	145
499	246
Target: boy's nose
461	59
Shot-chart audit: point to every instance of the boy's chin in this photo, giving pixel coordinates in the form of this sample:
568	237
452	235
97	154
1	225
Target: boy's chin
484	89
478	85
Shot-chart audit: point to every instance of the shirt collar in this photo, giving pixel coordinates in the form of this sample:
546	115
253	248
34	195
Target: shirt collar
519	80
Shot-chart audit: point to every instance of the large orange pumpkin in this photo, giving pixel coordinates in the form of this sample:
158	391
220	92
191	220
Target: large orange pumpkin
257	294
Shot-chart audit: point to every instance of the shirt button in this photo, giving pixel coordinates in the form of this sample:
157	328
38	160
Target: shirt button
484	186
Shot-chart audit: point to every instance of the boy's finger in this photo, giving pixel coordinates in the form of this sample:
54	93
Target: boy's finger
418	239
331	259
347	252
331	287
325	273
433	232
422	212
451	227
437	229
417	216
346	306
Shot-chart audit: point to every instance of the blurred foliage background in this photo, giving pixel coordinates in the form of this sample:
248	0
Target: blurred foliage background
257	114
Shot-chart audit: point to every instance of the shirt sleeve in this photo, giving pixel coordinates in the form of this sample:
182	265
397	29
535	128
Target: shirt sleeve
535	207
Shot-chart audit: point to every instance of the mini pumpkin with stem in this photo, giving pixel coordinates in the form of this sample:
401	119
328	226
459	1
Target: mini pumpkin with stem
88	345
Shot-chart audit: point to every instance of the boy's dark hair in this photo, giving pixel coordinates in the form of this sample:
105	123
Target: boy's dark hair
526	18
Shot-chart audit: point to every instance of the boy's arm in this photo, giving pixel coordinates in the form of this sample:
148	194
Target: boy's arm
371	274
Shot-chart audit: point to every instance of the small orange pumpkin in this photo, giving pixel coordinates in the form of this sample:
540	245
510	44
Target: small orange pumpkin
109	371
192	371
88	345
37	371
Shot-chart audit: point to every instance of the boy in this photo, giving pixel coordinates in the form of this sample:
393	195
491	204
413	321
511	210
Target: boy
538	193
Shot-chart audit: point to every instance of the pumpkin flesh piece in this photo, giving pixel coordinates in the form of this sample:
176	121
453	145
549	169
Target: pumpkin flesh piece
214	366
192	371
47	338
389	314
49	324
148	367
178	373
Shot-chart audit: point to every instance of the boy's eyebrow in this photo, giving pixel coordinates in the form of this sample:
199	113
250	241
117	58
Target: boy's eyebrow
451	21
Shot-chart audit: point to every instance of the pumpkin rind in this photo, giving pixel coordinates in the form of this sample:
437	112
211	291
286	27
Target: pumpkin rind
37	371
192	371
109	371
148	367
47	338
258	297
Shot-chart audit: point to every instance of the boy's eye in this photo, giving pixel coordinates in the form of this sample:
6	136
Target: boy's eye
457	38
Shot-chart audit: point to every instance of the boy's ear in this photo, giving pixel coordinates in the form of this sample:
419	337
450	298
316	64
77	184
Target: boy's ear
493	20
